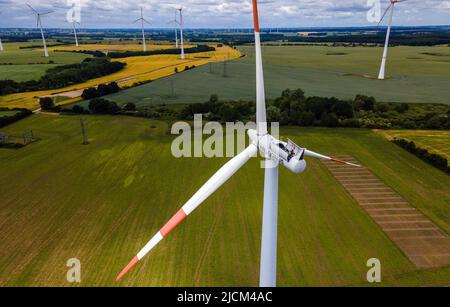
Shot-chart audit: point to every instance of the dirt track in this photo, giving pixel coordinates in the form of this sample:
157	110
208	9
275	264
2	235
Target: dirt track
418	237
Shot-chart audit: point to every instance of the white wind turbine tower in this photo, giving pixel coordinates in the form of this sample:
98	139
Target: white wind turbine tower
74	26
181	33
390	9
1	44
175	22
39	25
275	152
142	20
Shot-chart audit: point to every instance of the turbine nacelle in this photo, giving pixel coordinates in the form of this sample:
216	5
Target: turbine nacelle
288	154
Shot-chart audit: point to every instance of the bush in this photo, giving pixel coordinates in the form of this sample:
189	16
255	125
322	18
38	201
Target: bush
129	107
365	103
382	107
101	90
78	109
103	106
401	108
46	104
330	120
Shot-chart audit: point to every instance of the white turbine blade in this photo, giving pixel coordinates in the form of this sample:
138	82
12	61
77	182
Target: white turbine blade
207	190
31	8
384	15
261	117
313	154
46	13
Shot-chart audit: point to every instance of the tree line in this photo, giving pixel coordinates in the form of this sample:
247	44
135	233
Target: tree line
434	159
127	54
7	120
295	109
64	75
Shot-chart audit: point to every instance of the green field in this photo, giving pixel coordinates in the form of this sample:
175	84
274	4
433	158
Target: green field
100	203
417	74
8	113
30	64
435	141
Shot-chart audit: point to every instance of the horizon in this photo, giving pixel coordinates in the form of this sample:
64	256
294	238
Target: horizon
286	29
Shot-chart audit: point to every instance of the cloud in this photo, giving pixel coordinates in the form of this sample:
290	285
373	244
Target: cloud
224	13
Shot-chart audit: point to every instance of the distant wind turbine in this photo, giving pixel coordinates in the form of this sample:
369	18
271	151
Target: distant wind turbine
175	25
142	20
39	25
390	9
181	33
1	44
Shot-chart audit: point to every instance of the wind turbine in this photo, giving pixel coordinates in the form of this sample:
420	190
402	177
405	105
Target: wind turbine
390	9
275	152
1	44
142	20
39	25
181	33
175	22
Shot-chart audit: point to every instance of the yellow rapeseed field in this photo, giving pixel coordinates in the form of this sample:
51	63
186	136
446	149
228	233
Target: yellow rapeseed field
138	69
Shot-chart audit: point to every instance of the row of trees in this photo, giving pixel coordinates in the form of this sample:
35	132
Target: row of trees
20	114
101	106
431	158
294	108
94	53
101	90
65	75
127	54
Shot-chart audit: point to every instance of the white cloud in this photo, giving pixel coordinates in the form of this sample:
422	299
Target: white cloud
225	13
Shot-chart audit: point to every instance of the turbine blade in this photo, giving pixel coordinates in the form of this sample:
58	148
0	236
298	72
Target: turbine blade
316	155
31	8
46	13
384	15
261	116
207	190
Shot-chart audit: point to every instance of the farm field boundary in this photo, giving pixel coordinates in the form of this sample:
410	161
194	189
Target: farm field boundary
422	241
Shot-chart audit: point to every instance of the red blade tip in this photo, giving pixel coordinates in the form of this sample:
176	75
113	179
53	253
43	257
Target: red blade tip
127	268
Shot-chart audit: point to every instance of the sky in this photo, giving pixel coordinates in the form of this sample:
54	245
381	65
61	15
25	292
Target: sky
222	14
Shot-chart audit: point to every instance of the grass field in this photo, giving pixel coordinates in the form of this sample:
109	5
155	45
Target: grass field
8	113
30	64
138	69
435	141
416	74
100	203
